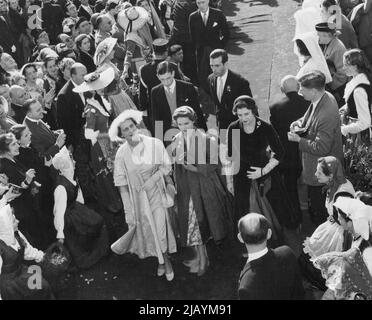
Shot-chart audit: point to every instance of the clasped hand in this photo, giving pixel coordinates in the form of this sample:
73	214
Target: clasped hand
254	173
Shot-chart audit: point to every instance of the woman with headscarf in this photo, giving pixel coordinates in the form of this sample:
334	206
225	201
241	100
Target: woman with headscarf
329	235
102	152
119	100
349	274
141	164
137	37
15	274
81	229
310	55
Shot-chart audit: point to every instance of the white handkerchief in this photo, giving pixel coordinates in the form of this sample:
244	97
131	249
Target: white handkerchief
215	24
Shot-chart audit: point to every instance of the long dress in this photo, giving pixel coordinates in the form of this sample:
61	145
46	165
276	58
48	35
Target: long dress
119	100
251	150
26	206
84	230
149	225
329	236
102	156
203	207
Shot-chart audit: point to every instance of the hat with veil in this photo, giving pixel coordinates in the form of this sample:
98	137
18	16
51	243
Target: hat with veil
317	61
359	213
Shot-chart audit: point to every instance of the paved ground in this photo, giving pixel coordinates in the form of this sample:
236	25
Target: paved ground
261	49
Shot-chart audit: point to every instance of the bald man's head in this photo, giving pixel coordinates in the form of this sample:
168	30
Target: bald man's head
289	84
17	95
254	228
78	72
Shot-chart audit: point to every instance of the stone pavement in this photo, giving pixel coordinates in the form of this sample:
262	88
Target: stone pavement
261	47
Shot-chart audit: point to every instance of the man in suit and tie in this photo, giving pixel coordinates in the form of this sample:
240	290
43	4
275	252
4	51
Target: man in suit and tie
70	114
149	79
269	274
224	87
318	134
85	10
70	107
208	31
18	96
168	96
282	113
45	141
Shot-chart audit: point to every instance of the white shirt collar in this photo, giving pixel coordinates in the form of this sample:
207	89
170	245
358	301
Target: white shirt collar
315	103
205	13
172	86
33	120
257	255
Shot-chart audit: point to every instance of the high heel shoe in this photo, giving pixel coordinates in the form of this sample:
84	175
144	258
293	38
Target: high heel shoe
169	276
161	270
168	267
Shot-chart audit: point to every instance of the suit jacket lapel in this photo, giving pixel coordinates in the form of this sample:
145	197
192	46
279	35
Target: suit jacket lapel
227	83
317	110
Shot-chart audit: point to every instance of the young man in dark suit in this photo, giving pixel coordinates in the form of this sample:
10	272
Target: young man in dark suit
224	87
149	79
318	134
45	141
168	96
282	113
208	31
269	274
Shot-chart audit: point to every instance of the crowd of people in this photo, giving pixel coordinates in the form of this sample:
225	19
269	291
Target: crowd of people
104	107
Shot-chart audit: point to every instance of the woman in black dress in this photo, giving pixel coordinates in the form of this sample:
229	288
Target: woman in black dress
255	150
80	228
82	42
25	207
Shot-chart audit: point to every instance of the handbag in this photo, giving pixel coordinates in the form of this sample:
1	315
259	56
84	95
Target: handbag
166	194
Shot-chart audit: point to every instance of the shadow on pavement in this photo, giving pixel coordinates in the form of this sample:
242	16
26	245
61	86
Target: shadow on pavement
237	40
270	3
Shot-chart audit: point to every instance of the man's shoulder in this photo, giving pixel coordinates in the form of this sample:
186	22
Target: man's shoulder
184	84
236	76
194	14
215	11
67	88
283	251
157	88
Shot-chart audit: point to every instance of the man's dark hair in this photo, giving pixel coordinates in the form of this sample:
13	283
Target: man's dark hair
313	80
258	234
165	67
219	53
49	59
28	103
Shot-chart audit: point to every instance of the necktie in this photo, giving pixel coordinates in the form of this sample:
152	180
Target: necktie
205	19
220	89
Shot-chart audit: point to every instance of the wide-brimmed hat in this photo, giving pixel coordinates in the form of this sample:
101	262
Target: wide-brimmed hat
103	50
132	18
96	81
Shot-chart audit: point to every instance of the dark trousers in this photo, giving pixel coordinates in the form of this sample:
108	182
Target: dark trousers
317	210
290	178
